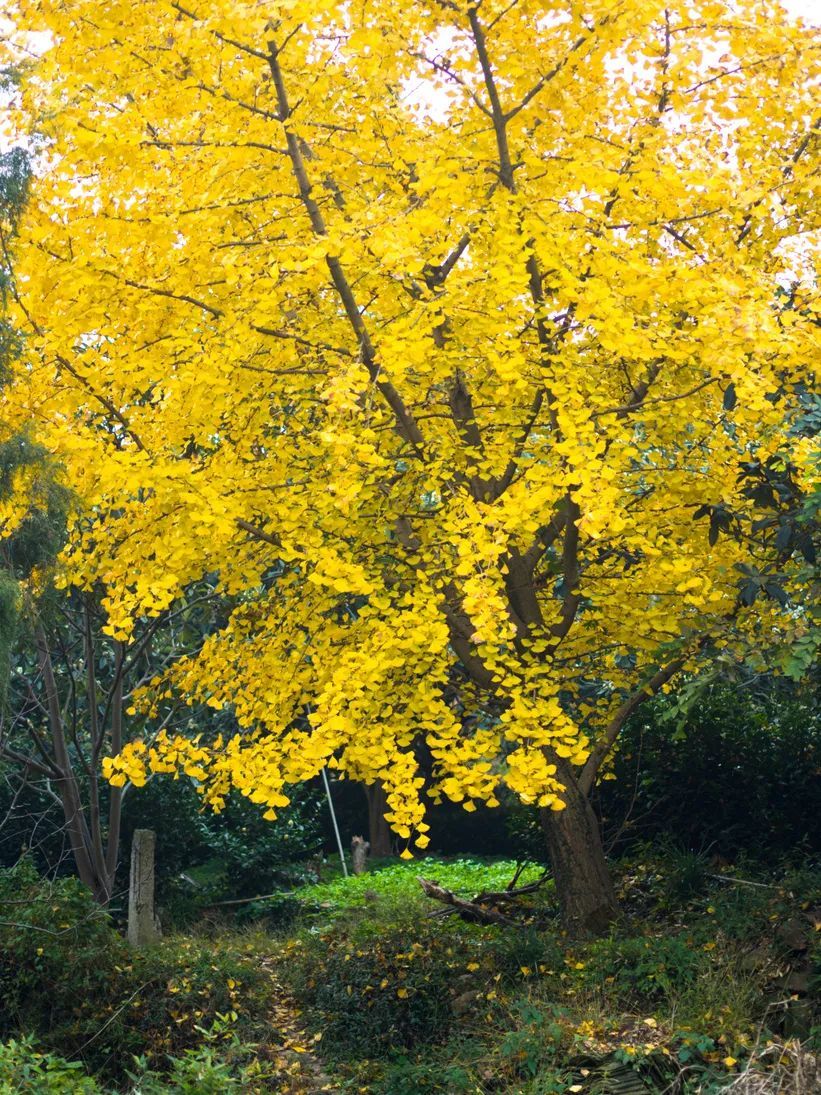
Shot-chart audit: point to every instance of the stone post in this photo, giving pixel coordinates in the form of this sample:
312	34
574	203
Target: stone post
359	854
142	924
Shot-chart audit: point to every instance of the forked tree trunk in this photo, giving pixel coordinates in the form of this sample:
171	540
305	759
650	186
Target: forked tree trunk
379	833
583	884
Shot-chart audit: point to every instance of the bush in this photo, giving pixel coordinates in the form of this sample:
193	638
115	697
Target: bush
531	1046
220	1066
426	1077
371	998
750	761
25	1071
644	968
160	999
68	978
234	854
518	952
57	948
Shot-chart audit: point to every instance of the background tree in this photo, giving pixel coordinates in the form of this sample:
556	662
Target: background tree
68	706
428	328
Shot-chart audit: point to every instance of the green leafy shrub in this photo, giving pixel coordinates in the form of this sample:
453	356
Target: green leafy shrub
24	1070
749	758
426	1077
220	1065
644	968
160	999
57	947
376	993
68	978
532	1044
520	952
519	1051
234	854
687	875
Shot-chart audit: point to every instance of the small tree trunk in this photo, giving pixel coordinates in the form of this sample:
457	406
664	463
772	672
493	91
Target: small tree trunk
379	832
583	883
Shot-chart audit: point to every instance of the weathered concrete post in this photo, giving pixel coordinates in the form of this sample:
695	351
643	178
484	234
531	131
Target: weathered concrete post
142	924
359	854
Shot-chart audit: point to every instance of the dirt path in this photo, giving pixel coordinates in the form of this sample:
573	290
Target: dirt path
300	1071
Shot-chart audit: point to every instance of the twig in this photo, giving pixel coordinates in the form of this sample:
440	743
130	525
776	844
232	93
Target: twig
742	881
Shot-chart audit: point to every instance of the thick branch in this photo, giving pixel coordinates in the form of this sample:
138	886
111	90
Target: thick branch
601	750
570	574
406	425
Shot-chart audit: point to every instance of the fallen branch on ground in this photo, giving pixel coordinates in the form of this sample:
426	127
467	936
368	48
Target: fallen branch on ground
484	907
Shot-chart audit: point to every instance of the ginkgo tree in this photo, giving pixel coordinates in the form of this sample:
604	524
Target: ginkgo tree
428	328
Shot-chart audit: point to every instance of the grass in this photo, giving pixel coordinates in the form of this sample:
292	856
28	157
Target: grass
395	883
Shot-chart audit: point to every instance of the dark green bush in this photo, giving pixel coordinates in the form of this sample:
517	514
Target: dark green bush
234	854
686	875
159	999
519	952
387	992
531	1046
221	1064
67	977
57	948
24	1070
721	771
426	1077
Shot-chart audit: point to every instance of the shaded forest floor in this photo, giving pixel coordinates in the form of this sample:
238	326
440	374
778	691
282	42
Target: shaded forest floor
709	982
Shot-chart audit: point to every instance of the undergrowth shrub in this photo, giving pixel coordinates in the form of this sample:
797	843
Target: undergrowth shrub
535	1037
160	998
751	759
644	968
69	979
516	1048
24	1070
520	952
426	1077
221	1065
57	947
384	992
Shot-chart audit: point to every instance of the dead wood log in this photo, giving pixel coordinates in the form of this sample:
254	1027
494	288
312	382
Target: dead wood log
484	907
468	910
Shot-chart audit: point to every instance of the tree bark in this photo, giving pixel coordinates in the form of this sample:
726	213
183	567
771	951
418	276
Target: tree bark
379	832
583	884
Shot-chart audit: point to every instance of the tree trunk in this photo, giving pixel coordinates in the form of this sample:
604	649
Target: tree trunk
583	885
379	832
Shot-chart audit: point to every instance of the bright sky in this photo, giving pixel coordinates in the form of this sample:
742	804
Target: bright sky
808	9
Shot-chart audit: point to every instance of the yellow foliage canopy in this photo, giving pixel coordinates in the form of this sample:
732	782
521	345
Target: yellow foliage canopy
413	322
